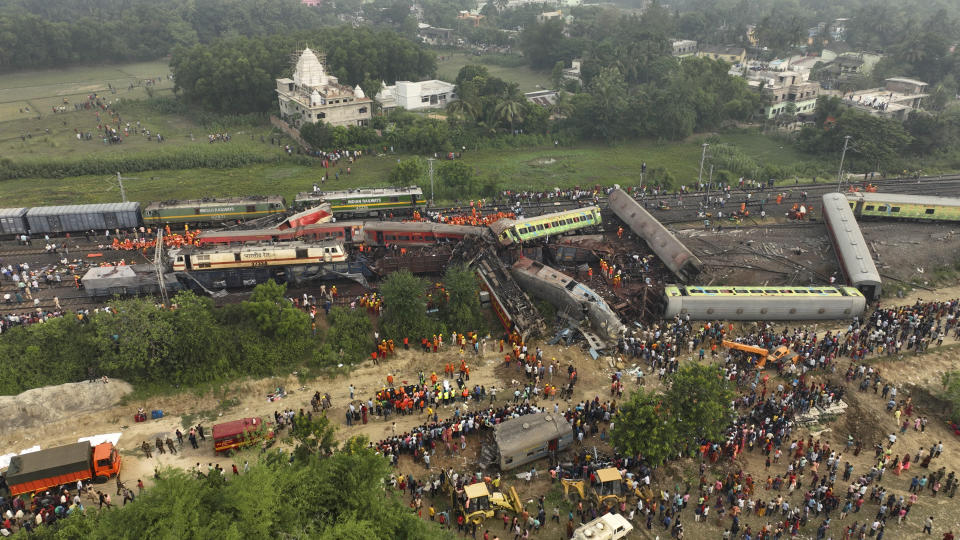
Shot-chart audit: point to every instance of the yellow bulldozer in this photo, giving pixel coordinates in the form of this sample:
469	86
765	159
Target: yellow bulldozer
477	503
607	488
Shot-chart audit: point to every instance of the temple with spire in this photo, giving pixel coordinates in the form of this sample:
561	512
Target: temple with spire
315	96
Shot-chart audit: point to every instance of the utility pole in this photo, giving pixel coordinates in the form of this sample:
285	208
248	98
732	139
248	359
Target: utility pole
123	192
703	156
846	142
430	160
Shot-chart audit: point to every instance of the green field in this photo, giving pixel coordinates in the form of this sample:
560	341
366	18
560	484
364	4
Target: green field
53	138
529	80
40	90
525	169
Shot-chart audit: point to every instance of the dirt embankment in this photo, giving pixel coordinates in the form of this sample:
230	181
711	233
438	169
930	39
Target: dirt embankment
53	403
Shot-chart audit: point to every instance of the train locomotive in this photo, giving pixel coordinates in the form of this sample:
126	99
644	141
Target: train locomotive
294	253
212	211
368	202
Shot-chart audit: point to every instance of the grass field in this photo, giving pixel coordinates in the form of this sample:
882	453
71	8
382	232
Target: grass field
529	80
40	90
528	169
53	137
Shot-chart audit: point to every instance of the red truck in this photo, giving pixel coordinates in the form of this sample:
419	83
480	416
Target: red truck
37	471
239	433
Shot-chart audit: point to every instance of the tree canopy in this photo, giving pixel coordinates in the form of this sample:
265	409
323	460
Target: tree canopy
405	307
695	407
237	74
335	497
36	34
191	344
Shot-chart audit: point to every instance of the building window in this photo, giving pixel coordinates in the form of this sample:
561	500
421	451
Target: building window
363	110
321	115
425	99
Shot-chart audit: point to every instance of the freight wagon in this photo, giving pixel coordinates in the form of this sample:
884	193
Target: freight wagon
83	217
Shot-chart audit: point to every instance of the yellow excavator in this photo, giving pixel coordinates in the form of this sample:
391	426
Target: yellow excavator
477	503
781	355
607	489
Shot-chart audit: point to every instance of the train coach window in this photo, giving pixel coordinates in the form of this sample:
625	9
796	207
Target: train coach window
251	208
405	237
785	291
394	199
554	224
741	291
869	208
539	227
576	219
391	237
895	209
756	291
928	211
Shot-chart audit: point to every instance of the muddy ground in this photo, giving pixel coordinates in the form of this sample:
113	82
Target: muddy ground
802	254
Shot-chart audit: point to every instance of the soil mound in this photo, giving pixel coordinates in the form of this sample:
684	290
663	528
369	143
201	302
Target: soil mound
53	403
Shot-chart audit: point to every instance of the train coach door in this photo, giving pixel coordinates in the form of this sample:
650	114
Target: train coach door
110	220
54	223
379	238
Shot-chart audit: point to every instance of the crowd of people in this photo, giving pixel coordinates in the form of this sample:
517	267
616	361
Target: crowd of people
801	486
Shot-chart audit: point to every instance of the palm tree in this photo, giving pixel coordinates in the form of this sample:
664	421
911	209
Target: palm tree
501	5
463	109
562	106
510	111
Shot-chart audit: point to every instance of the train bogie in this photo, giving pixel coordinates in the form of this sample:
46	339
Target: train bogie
852	250
509	231
675	256
751	303
898	206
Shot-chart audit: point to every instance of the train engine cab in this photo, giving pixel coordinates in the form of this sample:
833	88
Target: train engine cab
256	256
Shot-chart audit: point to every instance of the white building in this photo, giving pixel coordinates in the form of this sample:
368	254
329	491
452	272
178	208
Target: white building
413	96
314	96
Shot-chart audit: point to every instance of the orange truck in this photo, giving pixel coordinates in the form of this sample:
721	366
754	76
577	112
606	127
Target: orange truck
239	433
63	465
780	354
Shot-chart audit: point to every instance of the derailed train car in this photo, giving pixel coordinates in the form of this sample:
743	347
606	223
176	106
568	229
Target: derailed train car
852	250
753	303
570	295
675	256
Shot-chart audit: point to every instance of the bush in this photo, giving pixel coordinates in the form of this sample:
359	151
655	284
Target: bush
142	344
